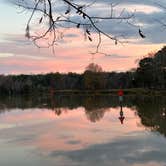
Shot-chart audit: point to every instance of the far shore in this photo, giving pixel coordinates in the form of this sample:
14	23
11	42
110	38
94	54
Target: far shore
133	91
97	92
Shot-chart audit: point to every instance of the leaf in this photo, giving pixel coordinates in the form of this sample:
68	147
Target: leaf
90	39
79	10
141	34
67	11
88	32
27	33
58	18
84	16
78	25
27	28
41	19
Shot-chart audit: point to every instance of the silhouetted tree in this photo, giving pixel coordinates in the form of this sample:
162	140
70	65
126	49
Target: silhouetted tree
94	68
152	70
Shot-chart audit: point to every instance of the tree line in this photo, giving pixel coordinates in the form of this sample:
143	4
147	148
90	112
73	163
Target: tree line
150	73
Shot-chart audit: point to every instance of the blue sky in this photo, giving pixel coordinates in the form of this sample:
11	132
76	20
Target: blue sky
11	21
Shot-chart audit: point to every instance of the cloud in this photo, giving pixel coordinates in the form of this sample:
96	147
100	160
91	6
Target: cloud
140	149
16	58
17	54
73	142
146	14
115	56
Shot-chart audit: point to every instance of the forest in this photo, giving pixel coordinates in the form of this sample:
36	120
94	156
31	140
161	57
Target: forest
150	74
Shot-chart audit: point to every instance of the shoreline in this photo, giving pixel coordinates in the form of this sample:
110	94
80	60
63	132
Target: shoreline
114	92
133	91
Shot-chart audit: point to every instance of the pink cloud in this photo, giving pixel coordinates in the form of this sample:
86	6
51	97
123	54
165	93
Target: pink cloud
71	56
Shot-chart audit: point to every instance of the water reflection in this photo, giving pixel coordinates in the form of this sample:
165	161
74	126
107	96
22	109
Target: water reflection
58	130
151	110
121	117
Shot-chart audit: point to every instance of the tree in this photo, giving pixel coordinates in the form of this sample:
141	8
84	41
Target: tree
94	68
160	68
94	77
152	70
73	14
152	113
146	71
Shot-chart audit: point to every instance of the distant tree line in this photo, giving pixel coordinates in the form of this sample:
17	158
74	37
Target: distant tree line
151	73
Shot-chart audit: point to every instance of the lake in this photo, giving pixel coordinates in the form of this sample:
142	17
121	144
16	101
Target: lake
82	131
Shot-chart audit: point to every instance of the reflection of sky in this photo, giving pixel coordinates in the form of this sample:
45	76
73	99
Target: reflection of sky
40	137
140	149
17	55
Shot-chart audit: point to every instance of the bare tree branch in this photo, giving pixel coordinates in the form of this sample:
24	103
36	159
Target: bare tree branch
56	20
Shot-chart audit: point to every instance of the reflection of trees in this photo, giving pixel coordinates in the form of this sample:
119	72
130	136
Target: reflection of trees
151	110
57	111
94	108
96	114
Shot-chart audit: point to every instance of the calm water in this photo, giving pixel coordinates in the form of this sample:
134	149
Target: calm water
82	131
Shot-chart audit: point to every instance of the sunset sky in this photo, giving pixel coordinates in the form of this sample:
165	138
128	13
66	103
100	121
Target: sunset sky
72	54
